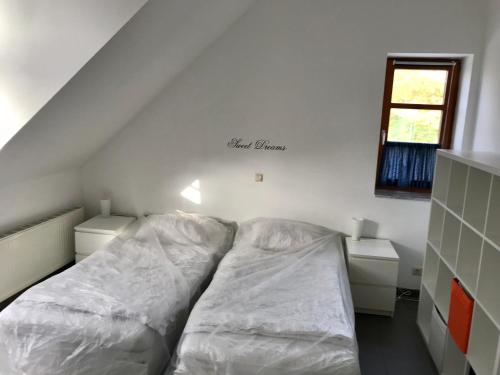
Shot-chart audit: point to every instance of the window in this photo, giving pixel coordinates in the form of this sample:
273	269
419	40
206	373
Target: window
417	118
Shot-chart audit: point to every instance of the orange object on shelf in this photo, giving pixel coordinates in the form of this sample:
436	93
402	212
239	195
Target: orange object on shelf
460	316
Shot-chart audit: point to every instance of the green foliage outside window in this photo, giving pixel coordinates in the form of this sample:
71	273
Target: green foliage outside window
412	86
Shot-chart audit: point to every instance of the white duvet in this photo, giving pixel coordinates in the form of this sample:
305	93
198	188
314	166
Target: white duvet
279	303
116	311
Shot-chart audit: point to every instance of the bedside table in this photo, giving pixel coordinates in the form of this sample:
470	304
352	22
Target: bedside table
373	274
97	233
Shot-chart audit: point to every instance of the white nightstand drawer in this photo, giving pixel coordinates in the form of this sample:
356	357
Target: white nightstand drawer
373	298
374	272
87	243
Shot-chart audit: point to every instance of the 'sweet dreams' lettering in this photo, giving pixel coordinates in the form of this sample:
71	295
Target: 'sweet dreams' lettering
260	144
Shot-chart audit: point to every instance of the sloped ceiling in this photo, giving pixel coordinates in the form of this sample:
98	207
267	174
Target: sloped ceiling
157	44
43	43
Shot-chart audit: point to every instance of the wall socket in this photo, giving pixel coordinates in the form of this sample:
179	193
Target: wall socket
416	271
259	177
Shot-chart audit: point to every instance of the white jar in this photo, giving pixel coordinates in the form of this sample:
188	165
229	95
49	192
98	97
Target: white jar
105	207
357	228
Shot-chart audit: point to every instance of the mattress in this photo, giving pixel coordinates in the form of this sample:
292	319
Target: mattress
226	353
119	311
77	343
279	303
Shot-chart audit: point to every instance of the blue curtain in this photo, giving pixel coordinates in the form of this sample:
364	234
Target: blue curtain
407	165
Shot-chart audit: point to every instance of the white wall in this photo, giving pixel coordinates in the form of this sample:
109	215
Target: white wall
148	52
25	202
133	67
307	74
43	44
487	134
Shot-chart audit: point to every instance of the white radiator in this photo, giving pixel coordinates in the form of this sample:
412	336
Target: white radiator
35	251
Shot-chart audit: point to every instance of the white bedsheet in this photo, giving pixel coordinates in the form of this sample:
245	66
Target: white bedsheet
278	310
113	313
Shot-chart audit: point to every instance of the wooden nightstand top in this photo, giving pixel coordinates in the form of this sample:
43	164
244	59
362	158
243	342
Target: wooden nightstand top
105	224
371	248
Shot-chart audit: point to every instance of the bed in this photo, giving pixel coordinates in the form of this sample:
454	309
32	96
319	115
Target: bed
121	310
279	303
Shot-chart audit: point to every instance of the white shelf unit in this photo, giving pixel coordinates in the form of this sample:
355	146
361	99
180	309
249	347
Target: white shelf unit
425	307
442	176
469	253
464	243
476	200
430	273
483	343
456	187
493	220
443	289
436	225
454	362
451	236
488	292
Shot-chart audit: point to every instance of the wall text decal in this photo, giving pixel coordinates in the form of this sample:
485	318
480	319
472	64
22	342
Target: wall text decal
260	144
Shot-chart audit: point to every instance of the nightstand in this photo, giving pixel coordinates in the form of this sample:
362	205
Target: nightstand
97	232
373	274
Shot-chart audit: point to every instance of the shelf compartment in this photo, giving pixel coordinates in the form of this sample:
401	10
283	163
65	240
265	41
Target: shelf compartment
493	223
425	307
451	235
441	178
443	289
456	188
437	339
454	361
469	254
431	267
483	343
436	225
476	200
488	287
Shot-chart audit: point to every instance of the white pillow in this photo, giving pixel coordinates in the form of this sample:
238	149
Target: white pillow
279	234
187	229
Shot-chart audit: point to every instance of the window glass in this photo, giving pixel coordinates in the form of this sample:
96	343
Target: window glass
419	86
414	125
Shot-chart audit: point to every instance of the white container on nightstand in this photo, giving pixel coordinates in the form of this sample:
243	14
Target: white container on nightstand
97	232
373	274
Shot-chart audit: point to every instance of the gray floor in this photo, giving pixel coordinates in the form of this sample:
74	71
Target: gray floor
393	346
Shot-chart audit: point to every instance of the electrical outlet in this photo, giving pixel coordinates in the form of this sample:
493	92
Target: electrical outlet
416	271
259	177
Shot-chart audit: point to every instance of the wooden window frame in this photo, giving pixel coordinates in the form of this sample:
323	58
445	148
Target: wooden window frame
448	107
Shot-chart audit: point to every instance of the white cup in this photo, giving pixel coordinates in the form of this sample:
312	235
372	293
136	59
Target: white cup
357	228
105	207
